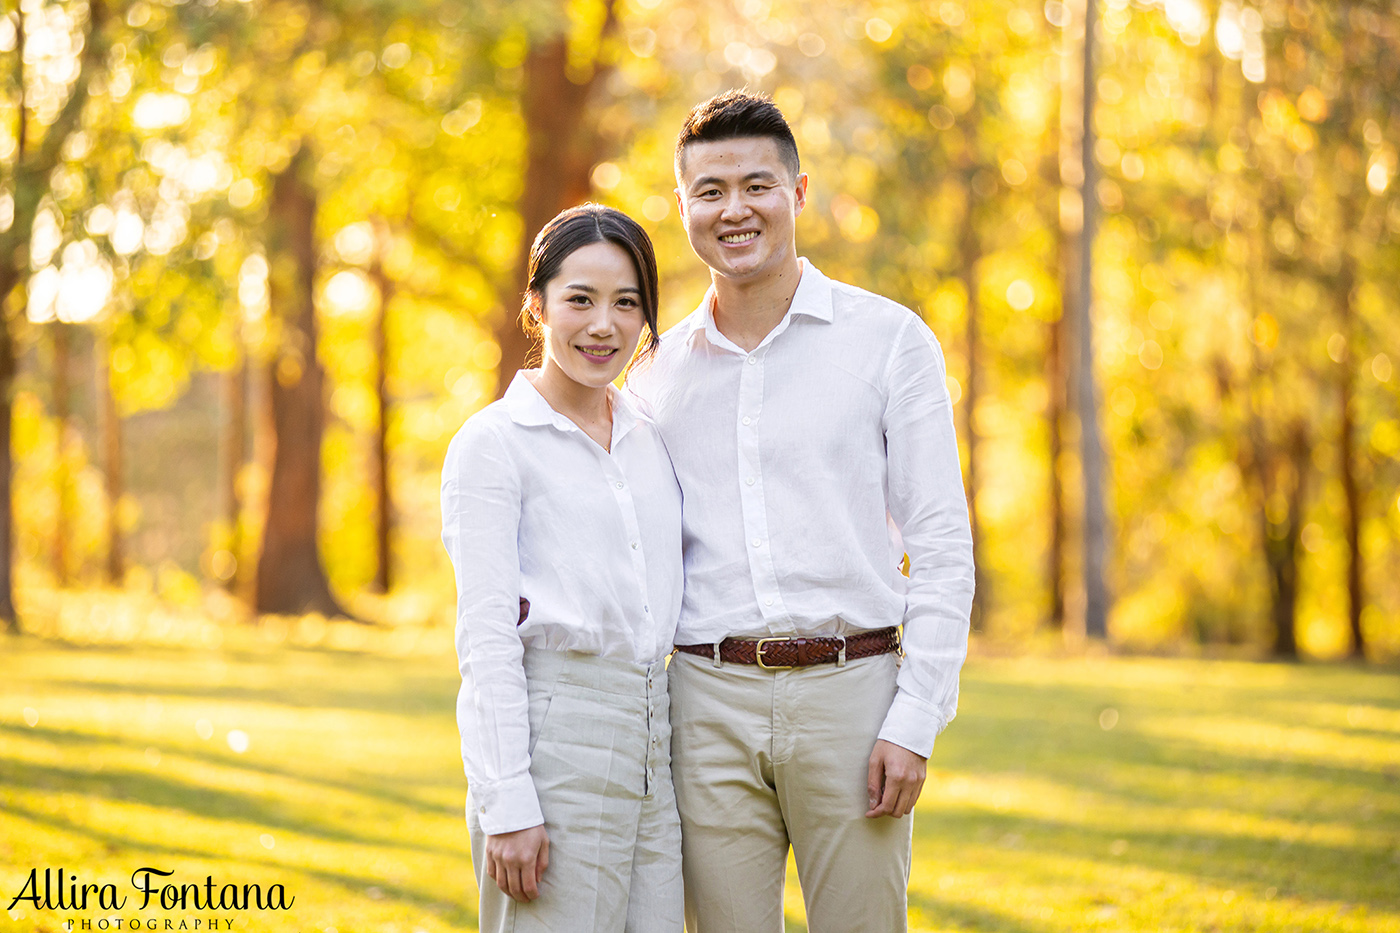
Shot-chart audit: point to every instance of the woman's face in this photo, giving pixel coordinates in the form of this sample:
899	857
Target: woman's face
592	315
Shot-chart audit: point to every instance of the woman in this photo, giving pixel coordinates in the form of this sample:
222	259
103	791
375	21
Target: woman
562	518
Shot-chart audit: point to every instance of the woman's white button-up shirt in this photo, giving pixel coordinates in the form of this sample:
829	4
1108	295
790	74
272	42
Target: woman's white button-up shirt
534	508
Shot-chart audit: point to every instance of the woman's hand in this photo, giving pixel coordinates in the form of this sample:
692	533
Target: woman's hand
516	861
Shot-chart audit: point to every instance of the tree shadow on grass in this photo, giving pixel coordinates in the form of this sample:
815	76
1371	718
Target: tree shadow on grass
176	796
959	916
1307	869
1062	739
367	787
411	695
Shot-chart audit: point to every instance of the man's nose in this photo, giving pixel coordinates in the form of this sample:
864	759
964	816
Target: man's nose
734	206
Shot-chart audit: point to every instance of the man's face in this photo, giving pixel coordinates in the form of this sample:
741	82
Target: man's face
739	204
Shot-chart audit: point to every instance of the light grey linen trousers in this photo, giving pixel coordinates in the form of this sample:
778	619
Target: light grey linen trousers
600	758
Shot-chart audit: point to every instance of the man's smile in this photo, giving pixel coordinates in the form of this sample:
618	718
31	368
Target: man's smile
739	237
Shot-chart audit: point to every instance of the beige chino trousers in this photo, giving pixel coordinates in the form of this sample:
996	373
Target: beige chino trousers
767	759
601	763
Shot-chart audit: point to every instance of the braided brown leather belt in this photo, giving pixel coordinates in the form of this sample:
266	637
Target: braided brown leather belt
776	653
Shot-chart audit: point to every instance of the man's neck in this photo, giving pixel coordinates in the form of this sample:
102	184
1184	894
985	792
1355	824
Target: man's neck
747	311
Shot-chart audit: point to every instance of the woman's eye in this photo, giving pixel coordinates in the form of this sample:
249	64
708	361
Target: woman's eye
579	300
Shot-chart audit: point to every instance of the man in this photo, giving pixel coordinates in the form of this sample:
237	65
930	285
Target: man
808	420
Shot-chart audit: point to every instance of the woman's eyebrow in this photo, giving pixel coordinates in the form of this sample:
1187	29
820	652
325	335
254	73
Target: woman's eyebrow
593	291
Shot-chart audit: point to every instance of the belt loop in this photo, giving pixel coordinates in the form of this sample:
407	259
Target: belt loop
841	655
718	663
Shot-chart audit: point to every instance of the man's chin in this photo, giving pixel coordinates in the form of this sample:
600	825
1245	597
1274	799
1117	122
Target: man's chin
739	271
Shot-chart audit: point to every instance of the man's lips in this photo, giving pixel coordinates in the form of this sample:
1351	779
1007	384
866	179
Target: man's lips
739	238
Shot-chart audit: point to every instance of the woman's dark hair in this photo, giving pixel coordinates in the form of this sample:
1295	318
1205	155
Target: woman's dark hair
583	226
738	115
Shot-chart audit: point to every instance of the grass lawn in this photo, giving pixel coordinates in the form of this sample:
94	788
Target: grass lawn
1115	794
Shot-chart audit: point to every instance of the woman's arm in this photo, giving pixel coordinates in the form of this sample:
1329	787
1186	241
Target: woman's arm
480	528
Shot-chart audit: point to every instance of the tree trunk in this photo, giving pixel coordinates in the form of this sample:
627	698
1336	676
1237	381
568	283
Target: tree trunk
290	577
111	462
31	181
8	616
235	454
1054	419
970	249
1058	160
562	143
1096	600
1344	287
379	472
63	515
1346	444
1281	539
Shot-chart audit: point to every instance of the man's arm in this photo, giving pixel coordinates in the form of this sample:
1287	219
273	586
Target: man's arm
929	505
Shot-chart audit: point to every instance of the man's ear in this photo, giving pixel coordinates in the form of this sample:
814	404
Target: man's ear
800	193
680	204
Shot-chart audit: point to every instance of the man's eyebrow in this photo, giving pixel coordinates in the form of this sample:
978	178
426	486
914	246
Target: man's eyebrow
716	180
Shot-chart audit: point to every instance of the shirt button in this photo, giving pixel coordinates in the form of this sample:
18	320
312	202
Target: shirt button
750	481
768	601
619	485
757	542
747	420
634	545
752	360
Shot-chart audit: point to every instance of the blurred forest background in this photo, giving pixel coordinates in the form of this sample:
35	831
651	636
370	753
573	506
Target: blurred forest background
259	260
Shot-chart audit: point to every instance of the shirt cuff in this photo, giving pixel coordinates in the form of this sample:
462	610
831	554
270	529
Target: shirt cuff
912	725
506	806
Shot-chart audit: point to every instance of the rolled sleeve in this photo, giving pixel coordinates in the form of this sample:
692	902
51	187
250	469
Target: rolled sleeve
480	529
928	504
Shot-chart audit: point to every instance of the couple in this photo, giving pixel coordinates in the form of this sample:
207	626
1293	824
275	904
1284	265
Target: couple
792	439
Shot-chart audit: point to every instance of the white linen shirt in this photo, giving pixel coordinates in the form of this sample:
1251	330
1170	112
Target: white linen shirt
533	507
802	464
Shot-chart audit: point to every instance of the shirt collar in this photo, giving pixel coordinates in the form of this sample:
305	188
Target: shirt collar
812	299
527	407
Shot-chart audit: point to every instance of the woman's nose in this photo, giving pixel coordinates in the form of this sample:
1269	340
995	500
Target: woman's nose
601	322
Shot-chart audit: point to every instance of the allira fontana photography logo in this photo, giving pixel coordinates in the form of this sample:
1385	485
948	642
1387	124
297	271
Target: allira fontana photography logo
58	889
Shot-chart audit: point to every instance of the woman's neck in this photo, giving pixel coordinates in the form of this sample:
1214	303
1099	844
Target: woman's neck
586	406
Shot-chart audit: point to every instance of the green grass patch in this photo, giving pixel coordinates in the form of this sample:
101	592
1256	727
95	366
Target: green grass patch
1113	794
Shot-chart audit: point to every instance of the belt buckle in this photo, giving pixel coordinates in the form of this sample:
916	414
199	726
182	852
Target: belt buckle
758	655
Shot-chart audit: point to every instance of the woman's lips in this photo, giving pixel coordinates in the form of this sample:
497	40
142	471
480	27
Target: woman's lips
598	354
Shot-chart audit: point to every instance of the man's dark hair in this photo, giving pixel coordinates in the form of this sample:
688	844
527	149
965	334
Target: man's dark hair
738	115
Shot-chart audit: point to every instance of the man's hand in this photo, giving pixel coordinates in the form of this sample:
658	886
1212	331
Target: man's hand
516	861
896	778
